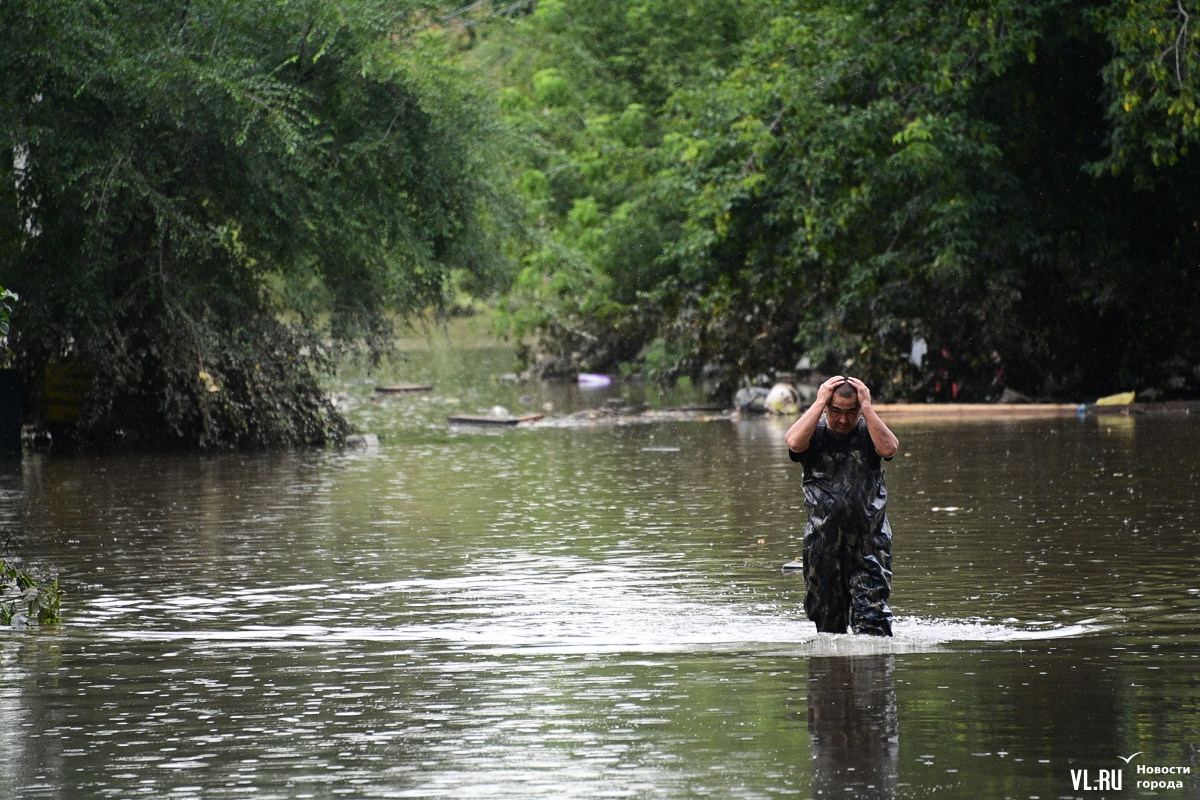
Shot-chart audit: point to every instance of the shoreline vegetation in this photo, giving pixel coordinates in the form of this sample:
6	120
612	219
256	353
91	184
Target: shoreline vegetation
949	202
24	600
206	210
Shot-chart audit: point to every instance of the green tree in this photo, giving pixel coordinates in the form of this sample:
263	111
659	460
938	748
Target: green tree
1154	83
587	87
198	185
1008	181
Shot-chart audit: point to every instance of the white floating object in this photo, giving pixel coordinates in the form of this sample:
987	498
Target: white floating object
782	399
592	380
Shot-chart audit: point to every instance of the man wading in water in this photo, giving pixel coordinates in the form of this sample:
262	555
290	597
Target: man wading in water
847	541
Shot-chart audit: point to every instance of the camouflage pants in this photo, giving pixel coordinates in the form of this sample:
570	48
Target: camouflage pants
848	578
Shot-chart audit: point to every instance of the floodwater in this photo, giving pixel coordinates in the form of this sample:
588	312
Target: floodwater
600	612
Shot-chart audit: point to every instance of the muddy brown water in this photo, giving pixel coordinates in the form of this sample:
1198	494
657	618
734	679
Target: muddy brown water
600	612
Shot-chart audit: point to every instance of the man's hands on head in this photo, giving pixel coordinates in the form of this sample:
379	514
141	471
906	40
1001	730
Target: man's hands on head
864	394
825	390
886	443
800	434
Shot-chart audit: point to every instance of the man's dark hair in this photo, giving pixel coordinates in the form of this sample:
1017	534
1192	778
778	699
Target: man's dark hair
846	389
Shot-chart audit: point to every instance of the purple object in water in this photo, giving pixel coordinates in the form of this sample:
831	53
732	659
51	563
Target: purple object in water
592	380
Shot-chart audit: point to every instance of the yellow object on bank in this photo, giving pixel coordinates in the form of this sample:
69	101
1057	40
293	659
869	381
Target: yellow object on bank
1122	399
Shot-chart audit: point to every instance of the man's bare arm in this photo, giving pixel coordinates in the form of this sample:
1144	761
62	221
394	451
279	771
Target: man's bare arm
799	436
886	443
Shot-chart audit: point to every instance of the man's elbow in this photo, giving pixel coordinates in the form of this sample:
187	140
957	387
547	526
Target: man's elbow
888	450
795	444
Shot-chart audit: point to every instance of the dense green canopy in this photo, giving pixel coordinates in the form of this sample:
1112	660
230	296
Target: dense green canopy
205	201
193	187
724	187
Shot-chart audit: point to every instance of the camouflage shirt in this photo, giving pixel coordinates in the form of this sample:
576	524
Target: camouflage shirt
846	467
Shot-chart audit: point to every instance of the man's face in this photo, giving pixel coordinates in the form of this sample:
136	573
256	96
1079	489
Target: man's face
841	415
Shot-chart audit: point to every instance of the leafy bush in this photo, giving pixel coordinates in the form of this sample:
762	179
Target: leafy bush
23	600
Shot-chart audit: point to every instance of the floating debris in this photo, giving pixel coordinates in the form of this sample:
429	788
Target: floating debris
751	400
660	449
782	399
793	566
400	388
476	419
362	441
1122	399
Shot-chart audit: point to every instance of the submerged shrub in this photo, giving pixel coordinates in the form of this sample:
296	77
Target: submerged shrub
23	600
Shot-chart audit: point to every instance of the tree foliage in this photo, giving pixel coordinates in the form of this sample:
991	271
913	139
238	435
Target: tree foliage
193	187
583	86
1007	181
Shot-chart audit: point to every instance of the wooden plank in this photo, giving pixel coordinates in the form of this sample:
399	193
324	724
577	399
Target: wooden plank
403	387
975	409
1155	407
986	411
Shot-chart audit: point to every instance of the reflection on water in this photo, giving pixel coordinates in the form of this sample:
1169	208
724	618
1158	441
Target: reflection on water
598	613
855	732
